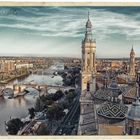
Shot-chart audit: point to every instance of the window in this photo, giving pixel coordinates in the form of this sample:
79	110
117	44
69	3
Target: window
88	87
130	130
137	131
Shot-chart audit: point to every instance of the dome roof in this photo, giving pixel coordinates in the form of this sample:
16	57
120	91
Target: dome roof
106	94
103	94
112	110
113	85
134	112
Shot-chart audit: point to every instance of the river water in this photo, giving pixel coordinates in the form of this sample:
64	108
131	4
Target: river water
18	107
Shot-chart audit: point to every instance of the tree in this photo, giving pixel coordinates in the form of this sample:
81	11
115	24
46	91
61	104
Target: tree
70	96
38	104
55	112
13	126
31	112
43	101
43	130
58	95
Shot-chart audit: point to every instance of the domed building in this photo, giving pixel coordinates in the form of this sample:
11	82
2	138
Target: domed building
132	125
111	113
106	93
112	110
102	100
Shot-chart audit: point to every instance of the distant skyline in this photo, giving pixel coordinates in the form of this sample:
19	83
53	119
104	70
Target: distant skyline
58	31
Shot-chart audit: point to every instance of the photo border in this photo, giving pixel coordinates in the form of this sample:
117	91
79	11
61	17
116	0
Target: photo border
83	137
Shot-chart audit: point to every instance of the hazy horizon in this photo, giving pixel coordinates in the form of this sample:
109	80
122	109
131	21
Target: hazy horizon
58	31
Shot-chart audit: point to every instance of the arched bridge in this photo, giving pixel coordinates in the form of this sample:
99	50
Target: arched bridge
20	88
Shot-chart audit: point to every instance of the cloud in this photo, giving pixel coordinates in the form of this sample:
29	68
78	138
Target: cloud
67	23
105	23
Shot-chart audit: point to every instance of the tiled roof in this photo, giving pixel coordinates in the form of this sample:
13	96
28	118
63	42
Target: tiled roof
129	92
112	110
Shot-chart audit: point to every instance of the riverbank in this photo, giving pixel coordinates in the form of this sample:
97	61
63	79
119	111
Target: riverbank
18	107
14	77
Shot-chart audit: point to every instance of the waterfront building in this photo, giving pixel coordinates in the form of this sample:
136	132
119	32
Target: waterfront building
23	65
7	65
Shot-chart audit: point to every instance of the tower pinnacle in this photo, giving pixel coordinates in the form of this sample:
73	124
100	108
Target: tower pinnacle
132	50
88	14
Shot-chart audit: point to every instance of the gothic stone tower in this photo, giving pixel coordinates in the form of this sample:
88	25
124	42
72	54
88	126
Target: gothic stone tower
88	59
132	64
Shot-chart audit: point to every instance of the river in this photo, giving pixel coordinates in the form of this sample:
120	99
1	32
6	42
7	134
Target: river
18	107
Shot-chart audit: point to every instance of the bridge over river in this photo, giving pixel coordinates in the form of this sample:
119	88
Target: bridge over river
19	89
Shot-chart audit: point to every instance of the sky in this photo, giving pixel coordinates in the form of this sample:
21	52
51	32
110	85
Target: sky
58	31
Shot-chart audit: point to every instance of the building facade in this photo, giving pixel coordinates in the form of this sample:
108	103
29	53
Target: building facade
132	125
87	122
88	58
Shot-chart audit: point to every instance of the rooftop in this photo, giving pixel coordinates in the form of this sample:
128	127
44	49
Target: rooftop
113	110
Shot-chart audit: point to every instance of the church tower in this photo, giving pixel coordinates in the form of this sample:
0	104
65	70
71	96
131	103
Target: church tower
87	121
132	64
88	59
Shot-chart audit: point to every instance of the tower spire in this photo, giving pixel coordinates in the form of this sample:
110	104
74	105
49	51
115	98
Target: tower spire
88	35
88	15
132	48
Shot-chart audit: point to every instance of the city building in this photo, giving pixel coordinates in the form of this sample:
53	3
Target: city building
132	125
113	107
87	123
23	65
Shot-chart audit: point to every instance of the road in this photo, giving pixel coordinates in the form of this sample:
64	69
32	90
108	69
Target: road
68	122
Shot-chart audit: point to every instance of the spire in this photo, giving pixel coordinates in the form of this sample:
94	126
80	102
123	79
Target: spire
88	24
88	15
132	50
88	35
